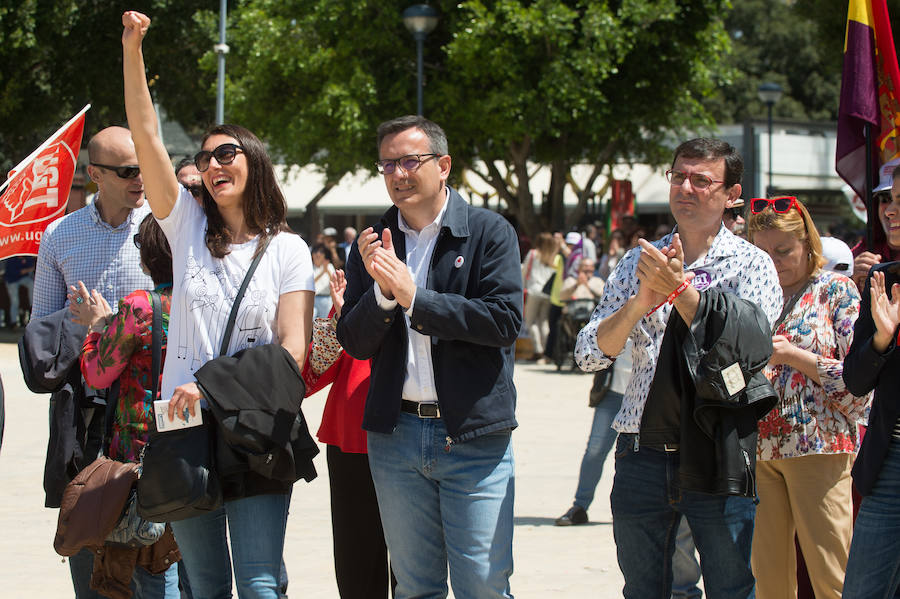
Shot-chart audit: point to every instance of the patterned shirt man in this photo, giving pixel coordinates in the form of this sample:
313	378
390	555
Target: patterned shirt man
732	264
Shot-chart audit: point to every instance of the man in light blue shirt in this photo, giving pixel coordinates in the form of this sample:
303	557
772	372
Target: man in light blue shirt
95	245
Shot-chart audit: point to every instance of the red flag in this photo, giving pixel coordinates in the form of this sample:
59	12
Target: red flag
38	189
870	86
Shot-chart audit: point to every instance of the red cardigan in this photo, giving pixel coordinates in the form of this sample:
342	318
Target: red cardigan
343	414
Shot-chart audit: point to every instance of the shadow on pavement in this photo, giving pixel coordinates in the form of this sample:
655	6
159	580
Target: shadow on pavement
540	521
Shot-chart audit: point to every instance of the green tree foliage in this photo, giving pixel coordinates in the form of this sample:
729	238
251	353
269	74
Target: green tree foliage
799	45
55	57
513	82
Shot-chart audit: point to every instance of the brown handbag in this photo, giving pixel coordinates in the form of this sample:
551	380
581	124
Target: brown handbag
92	504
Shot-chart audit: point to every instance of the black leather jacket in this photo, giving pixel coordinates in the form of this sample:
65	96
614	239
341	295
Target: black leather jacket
48	354
262	441
713	372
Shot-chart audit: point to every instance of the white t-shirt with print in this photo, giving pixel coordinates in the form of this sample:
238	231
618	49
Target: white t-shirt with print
204	288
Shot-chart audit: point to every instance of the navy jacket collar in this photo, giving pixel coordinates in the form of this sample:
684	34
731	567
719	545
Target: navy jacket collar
456	218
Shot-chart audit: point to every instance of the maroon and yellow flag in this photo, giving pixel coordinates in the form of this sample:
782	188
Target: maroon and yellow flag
37	190
869	93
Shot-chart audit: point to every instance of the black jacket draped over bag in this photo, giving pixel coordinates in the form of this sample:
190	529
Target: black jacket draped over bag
261	439
48	354
717	423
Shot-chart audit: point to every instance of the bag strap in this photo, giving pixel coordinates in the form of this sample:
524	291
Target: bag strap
790	305
226	339
156	364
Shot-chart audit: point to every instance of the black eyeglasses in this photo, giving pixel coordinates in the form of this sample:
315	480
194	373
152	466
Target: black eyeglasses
123	172
409	163
780	204
137	240
196	190
698	180
224	154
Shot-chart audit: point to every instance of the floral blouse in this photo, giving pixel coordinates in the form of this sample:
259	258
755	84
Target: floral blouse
811	418
124	351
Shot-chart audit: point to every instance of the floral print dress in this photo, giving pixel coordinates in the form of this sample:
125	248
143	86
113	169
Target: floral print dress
813	418
123	351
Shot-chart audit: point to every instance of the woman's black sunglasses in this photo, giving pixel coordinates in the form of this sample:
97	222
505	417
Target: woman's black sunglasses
224	154
123	172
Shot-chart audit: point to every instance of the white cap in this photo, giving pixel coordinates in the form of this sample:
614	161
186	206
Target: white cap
573	238
329	232
886	175
838	255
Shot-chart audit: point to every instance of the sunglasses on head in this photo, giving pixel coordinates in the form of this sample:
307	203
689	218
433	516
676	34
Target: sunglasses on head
780	204
123	172
224	154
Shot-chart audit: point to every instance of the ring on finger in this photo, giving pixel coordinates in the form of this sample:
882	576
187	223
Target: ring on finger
79	300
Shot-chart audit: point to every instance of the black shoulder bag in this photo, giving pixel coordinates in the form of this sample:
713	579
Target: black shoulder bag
178	479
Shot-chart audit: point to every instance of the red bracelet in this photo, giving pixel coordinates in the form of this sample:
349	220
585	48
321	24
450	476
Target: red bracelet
671	299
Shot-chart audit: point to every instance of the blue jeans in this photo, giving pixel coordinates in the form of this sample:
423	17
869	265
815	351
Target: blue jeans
647	507
442	507
256	528
143	584
873	568
321	306
685	567
600	442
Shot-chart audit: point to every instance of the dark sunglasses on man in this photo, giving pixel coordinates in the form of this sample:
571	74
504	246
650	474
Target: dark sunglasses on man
224	154
734	213
123	172
780	204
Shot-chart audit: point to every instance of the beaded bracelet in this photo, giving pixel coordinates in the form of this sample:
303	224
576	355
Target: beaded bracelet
671	299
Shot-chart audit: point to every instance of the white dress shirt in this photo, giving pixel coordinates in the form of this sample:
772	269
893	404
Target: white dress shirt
419	382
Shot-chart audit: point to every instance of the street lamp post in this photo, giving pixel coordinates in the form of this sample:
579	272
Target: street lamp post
769	93
221	50
420	20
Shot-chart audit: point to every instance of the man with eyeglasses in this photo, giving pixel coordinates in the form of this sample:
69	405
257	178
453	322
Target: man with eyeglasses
434	298
93	245
187	174
734	217
691	303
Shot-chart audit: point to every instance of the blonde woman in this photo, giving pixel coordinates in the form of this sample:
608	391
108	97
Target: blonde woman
807	443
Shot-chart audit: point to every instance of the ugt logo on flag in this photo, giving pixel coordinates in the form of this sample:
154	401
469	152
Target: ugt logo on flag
38	189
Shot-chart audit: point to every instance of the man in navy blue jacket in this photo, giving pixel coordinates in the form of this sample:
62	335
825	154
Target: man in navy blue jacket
434	299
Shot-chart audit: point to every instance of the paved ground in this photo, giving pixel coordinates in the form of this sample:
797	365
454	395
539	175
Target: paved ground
554	420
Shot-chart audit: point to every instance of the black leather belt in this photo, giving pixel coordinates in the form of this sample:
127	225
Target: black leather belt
422	410
666	447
